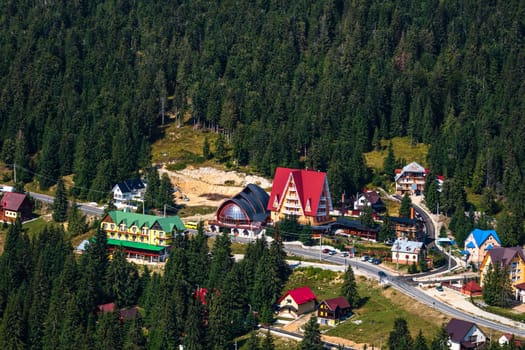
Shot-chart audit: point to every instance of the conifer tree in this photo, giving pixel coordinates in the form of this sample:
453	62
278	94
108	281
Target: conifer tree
166	191
153	188
399	338
122	280
349	288
253	342
134	338
406	206
267	342
194	328
312	336
60	203
389	164
442	340
76	221
221	262
420	342
206	149
12	328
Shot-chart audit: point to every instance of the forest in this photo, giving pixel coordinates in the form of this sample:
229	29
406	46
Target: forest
86	85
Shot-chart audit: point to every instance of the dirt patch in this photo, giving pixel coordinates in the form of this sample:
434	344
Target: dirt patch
208	186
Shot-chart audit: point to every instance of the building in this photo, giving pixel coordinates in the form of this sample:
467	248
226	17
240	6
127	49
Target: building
465	335
478	243
349	228
296	302
410	179
245	214
407	252
332	311
507	338
15	205
301	193
511	259
407	228
128	193
142	236
371	199
471	288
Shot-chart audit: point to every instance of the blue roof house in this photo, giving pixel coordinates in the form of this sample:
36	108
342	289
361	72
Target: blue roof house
478	243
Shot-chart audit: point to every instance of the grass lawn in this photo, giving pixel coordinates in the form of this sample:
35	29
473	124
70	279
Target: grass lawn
402	149
186	211
381	308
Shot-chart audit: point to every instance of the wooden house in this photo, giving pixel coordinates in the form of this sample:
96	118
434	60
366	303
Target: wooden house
332	311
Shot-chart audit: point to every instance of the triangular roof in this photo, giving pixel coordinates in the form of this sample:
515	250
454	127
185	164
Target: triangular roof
109	307
480	236
301	295
472	286
458	329
309	185
168	223
131	184
504	255
12	201
334	303
410	168
403	246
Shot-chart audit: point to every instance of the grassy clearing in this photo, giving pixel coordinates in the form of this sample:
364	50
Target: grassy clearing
186	211
377	315
402	150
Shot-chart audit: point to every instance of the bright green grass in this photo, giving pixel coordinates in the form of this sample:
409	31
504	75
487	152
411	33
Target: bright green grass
402	150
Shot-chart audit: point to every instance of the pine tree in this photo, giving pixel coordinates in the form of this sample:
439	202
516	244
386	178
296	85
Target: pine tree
206	149
166	191
76	221
60	203
420	342
386	232
252	343
122	280
497	288
135	338
109	333
406	206
349	288
221	262
267	343
389	164
442	340
366	218
12	327
153	188
194	328
312	336
399	338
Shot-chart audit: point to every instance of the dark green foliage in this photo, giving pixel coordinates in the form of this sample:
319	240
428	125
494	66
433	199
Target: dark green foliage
497	287
349	288
206	152
267	342
412	268
406	206
76	221
431	192
165	195
389	164
441	341
366	218
122	280
386	231
221	261
420	342
153	190
312	336
399	338
60	203
289	228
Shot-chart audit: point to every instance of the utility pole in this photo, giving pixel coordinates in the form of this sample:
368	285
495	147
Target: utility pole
320	246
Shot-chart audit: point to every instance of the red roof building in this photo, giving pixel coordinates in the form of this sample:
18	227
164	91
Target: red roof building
331	311
301	193
15	205
296	302
472	288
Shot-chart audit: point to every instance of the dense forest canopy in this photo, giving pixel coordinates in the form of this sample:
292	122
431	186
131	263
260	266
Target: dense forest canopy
85	85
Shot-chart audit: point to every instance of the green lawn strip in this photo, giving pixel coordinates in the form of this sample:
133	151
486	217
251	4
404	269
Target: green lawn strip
402	150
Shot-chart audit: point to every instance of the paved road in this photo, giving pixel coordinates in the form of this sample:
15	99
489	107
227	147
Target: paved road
84	207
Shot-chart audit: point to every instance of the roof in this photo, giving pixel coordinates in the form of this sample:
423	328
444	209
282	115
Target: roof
252	202
82	245
130	313
109	307
403	246
458	329
353	224
504	255
480	236
130	185
471	245
520	286
301	295
135	245
410	168
403	221
309	185
339	302
168	223
12	201
472	286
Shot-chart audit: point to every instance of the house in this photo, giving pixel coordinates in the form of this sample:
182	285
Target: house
410	179
128	192
15	205
407	228
331	311
371	199
472	289
348	228
125	314
513	260
407	252
465	335
146	237
296	302
478	243
245	214
507	338
301	193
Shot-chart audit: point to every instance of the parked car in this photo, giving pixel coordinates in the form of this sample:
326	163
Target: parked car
332	252
376	261
344	254
364	258
439	288
326	251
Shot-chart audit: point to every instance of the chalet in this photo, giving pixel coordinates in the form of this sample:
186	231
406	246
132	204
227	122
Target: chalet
511	259
332	311
245	214
478	243
410	179
407	252
465	335
128	192
507	338
349	228
15	205
301	193
371	199
296	302
142	236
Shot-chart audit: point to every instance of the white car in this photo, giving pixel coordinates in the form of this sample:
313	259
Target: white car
344	254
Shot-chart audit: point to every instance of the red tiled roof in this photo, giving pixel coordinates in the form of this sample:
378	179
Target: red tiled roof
301	295
109	307
340	302
520	286
472	287
12	201
309	185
